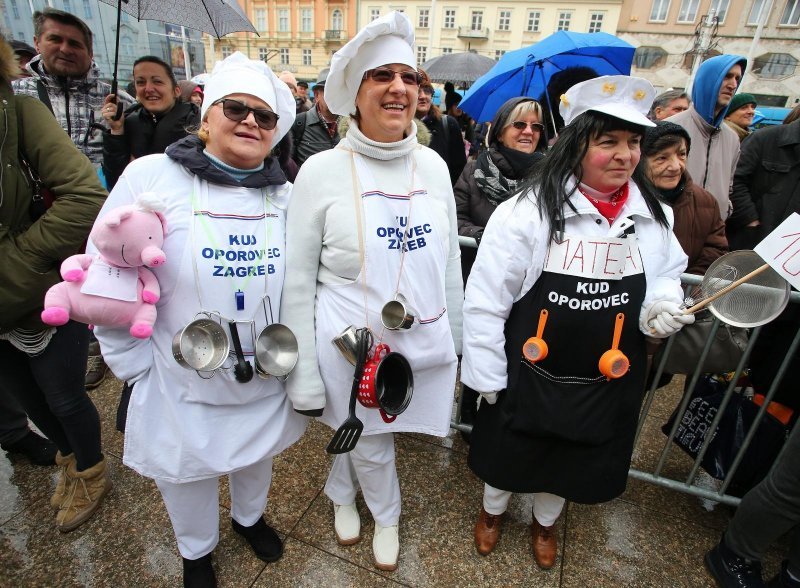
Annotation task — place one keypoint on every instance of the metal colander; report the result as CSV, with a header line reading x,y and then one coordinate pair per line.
x,y
741,290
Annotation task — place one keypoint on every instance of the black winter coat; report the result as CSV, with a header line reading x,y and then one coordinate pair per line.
x,y
146,134
452,149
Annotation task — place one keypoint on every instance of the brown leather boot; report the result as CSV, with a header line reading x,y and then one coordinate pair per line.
x,y
487,532
545,544
62,461
85,492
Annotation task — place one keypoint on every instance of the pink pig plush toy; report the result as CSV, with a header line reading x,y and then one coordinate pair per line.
x,y
114,288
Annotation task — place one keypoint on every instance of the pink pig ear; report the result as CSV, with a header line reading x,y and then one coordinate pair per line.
x,y
115,217
163,220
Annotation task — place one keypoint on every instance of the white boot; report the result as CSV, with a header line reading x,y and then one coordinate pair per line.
x,y
346,523
386,547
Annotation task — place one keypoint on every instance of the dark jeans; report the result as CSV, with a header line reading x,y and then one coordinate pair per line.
x,y
770,509
50,387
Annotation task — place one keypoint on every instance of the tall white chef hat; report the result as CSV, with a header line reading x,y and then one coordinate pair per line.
x,y
237,74
624,97
388,39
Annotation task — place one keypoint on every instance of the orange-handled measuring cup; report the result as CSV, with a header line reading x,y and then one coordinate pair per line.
x,y
535,349
613,363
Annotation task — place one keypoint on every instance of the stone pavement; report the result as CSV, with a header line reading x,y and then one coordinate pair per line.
x,y
649,537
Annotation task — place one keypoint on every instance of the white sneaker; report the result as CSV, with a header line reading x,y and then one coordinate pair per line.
x,y
346,523
386,547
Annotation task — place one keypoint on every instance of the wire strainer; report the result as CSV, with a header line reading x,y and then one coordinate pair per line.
x,y
741,290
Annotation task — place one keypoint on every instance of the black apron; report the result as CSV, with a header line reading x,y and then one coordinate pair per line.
x,y
561,426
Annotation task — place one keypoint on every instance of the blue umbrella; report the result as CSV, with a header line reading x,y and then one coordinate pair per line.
x,y
526,71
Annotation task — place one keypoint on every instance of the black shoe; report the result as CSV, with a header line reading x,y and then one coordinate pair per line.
x,y
783,579
262,538
199,573
37,449
731,570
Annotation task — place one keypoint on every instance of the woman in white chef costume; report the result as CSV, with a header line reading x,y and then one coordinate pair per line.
x,y
225,199
409,244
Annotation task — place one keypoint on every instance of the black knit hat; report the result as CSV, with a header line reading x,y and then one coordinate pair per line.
x,y
663,128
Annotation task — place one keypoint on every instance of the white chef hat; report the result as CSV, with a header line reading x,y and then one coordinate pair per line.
x,y
388,39
237,74
624,97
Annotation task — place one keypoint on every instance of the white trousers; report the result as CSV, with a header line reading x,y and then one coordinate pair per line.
x,y
546,507
193,507
370,465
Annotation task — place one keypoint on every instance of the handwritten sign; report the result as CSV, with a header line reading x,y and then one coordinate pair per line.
x,y
781,250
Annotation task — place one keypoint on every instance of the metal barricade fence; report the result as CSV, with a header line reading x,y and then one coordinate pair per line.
x,y
690,483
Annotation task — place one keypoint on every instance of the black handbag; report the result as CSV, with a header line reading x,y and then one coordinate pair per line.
x,y
736,422
724,355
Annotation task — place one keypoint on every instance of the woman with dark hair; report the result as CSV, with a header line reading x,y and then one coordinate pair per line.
x,y
569,279
158,120
446,138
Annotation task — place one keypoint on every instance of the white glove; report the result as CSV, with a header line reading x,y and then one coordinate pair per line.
x,y
490,397
664,318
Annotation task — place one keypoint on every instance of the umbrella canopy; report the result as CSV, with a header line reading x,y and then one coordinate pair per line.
x,y
526,71
215,17
458,67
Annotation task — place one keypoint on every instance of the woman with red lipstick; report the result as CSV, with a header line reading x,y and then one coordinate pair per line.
x,y
157,120
224,201
369,220
571,274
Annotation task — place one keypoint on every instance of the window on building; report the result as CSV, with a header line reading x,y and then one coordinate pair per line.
x,y
688,11
422,54
263,52
283,20
498,53
774,66
226,51
306,56
504,20
284,53
477,20
374,14
564,20
423,17
260,15
659,11
447,50
595,22
791,14
337,21
87,9
720,8
307,20
649,57
450,18
534,16
15,9
755,12
68,6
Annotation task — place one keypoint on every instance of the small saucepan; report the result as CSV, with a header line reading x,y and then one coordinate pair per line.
x,y
276,351
202,345
387,383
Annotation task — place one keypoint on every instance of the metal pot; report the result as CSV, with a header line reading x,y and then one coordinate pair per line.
x,y
202,345
276,351
347,344
387,383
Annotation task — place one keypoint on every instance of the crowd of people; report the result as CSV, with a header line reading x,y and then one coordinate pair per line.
x,y
586,204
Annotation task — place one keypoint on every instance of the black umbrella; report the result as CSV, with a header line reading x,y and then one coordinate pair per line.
x,y
215,17
458,67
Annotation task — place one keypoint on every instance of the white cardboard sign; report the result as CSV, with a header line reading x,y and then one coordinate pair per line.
x,y
781,250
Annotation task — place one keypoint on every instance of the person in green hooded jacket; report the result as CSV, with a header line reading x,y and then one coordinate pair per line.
x,y
44,367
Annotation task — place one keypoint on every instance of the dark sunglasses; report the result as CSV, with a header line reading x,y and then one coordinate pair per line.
x,y
238,111
383,75
520,125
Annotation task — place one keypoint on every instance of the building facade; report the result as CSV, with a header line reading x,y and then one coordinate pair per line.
x,y
293,35
137,38
667,36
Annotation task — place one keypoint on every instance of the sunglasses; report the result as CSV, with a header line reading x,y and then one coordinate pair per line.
x,y
521,125
383,75
238,111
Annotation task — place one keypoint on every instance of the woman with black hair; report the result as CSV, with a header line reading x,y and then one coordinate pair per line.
x,y
569,279
158,120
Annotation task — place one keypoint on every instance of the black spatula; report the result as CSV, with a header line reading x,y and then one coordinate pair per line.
x,y
348,434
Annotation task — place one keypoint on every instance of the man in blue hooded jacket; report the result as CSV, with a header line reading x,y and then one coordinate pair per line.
x,y
715,147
